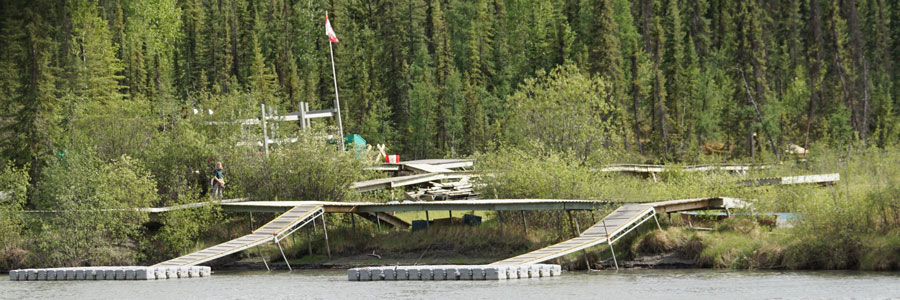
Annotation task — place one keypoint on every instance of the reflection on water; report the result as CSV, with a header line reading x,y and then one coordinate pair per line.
x,y
332,284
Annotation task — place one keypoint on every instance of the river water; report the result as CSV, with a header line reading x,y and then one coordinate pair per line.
x,y
630,284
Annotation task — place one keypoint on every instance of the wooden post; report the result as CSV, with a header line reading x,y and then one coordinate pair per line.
x,y
587,262
309,240
571,222
353,220
327,247
251,222
524,222
560,225
377,220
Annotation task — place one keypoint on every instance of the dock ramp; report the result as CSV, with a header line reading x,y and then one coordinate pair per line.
x,y
617,224
614,226
277,229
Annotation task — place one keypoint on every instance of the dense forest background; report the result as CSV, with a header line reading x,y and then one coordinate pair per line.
x,y
99,100
437,78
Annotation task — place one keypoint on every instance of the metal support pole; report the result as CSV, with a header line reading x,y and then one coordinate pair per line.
x,y
265,132
609,242
284,256
657,221
524,222
614,255
450,214
337,101
302,117
263,258
327,247
500,220
353,220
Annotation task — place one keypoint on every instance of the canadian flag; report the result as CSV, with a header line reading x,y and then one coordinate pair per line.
x,y
332,37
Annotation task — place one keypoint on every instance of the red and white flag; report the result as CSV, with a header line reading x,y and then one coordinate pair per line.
x,y
332,37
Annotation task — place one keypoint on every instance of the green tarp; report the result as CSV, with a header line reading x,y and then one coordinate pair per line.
x,y
355,143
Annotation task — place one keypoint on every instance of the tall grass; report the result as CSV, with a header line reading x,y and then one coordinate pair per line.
x,y
852,224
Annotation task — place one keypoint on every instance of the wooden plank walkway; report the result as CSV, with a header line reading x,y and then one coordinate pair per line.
x,y
299,215
824,179
642,168
455,205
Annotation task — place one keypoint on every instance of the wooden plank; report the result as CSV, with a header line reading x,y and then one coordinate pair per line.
x,y
425,168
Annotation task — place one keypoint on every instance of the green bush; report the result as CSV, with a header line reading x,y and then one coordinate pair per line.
x,y
309,169
13,192
93,221
181,230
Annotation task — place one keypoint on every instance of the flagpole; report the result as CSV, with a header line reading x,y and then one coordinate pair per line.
x,y
337,101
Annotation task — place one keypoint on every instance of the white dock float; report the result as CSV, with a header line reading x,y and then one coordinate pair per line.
x,y
109,273
454,272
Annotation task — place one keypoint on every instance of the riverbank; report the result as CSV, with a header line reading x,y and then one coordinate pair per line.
x,y
736,243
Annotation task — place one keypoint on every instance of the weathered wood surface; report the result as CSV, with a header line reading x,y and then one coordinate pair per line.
x,y
824,179
483,205
642,168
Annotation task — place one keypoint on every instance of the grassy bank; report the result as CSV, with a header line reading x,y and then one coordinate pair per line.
x,y
852,225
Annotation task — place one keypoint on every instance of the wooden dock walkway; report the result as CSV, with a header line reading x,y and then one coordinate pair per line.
x,y
643,168
274,231
822,179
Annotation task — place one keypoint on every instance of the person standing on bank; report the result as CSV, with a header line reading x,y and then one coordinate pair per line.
x,y
218,182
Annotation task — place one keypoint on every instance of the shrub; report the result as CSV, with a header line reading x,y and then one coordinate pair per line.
x,y
94,221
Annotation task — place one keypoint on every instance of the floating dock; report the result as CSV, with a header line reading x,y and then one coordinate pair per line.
x,y
454,272
109,273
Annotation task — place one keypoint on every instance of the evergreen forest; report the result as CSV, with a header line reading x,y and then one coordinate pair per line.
x,y
107,103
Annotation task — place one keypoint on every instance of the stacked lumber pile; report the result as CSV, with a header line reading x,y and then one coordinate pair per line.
x,y
457,190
